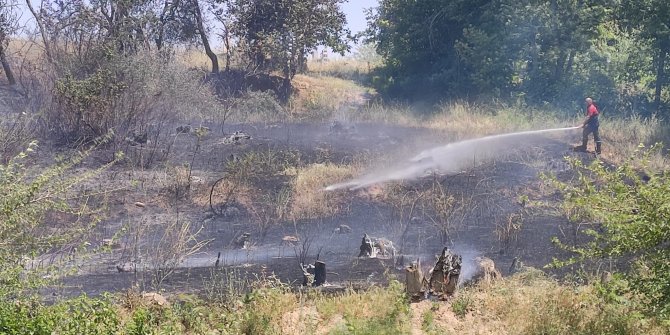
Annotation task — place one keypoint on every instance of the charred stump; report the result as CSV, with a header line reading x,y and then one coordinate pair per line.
x,y
367,247
445,274
319,273
414,281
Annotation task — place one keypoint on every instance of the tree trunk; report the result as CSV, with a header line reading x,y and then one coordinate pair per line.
x,y
205,40
446,272
660,75
571,61
226,41
6,67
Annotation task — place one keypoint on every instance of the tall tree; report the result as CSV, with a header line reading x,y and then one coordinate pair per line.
x,y
280,33
419,43
652,19
462,48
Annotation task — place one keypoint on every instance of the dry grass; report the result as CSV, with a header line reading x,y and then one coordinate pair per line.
x,y
526,303
195,59
309,201
530,303
341,67
22,49
321,98
622,137
461,118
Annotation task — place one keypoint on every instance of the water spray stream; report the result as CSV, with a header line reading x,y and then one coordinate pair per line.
x,y
448,159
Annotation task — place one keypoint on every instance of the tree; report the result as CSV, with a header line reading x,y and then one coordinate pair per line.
x,y
8,26
199,19
221,14
125,27
457,49
278,34
652,19
418,42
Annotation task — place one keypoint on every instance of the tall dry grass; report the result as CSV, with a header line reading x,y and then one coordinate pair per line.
x,y
531,303
309,200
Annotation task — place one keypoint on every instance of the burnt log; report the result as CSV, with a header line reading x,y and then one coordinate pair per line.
x,y
367,248
376,247
307,274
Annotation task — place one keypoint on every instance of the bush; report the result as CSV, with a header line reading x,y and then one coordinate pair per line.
x,y
37,209
258,106
81,315
138,97
626,212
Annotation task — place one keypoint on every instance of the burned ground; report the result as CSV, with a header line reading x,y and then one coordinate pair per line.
x,y
485,213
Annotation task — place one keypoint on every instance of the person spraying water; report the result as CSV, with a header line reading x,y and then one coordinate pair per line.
x,y
590,126
448,159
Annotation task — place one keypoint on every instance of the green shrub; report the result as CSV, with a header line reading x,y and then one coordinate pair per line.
x,y
76,316
36,209
626,211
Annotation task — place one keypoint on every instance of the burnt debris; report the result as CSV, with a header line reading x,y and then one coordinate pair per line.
x,y
237,137
374,247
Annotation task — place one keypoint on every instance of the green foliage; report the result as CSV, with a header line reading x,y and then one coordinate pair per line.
x,y
133,95
627,214
650,18
38,212
428,321
278,35
86,104
81,315
462,304
535,51
386,311
259,106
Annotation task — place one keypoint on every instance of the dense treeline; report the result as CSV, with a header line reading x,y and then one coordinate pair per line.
x,y
527,51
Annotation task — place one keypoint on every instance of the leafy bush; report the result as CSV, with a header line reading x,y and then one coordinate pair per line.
x,y
81,315
626,212
138,97
36,212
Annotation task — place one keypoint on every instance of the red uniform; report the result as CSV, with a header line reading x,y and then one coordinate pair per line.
x,y
591,126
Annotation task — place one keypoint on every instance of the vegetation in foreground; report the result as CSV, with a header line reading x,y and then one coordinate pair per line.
x,y
526,303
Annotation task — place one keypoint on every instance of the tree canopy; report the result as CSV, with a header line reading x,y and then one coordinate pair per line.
x,y
533,51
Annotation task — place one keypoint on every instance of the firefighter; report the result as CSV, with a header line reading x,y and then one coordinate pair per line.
x,y
590,125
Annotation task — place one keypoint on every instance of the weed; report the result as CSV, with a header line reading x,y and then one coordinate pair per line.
x,y
226,286
463,303
508,230
428,322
